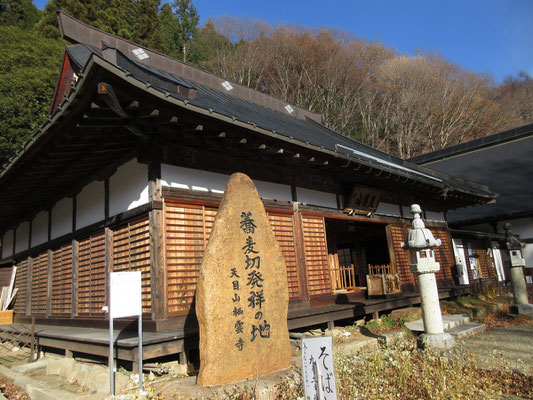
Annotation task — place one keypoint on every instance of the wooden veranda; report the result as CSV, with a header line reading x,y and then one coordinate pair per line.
x,y
87,342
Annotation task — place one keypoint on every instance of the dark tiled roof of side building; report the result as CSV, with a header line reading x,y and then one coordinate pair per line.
x,y
476,144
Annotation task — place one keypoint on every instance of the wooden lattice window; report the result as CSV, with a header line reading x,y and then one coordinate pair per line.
x,y
61,296
316,255
401,256
21,282
91,275
187,231
444,255
282,226
131,252
39,282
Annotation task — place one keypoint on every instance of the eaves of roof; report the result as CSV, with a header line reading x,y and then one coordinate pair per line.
x,y
308,134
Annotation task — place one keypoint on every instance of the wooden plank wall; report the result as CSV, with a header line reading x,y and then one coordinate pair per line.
x,y
188,227
39,284
283,227
316,255
61,294
5,276
91,276
131,252
21,282
187,231
54,290
444,256
407,278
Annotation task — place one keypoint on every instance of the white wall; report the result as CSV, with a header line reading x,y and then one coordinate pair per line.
x,y
90,204
527,253
22,240
316,198
205,181
388,209
128,187
7,244
193,179
39,229
62,218
273,191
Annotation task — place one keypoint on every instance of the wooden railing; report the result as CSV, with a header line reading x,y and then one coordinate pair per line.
x,y
343,277
20,335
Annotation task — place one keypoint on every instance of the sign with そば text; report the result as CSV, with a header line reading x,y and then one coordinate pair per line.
x,y
317,368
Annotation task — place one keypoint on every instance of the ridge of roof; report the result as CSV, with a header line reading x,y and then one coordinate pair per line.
x,y
78,32
476,144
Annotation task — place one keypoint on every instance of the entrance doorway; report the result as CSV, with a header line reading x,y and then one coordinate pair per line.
x,y
358,256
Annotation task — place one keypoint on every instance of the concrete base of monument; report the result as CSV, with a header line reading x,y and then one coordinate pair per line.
x,y
439,341
525,310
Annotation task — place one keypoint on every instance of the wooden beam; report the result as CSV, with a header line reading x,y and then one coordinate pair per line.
x,y
106,197
28,286
108,95
154,181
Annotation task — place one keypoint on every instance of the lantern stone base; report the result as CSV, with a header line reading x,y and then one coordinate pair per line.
x,y
522,310
439,341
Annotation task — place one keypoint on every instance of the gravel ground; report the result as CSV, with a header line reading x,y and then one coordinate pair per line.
x,y
503,347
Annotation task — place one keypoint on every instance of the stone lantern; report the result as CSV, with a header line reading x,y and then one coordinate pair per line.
x,y
515,246
420,244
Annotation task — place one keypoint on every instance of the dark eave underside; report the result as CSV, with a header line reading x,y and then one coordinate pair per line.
x,y
86,140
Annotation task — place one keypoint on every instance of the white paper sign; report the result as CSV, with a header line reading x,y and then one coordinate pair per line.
x,y
125,294
317,366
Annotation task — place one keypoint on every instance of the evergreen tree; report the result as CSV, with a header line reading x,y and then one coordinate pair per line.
x,y
21,13
207,44
135,20
29,66
146,28
179,23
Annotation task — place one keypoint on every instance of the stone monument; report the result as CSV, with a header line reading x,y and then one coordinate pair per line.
x,y
242,296
521,305
420,243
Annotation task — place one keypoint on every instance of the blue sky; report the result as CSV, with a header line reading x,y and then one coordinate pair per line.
x,y
493,36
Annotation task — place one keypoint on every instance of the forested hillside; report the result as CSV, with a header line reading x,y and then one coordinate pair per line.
x,y
401,104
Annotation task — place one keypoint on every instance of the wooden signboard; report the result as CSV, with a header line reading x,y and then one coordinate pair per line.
x,y
362,200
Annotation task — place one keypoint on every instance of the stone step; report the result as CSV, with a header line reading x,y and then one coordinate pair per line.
x,y
448,322
466,330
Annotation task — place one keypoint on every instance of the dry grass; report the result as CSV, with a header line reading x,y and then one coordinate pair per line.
x,y
403,372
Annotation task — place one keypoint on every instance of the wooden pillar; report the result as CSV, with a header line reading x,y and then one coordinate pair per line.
x,y
300,253
157,244
49,274
157,263
75,266
28,286
108,257
390,244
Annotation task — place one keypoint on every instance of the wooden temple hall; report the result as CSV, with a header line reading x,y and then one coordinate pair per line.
x,y
127,175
